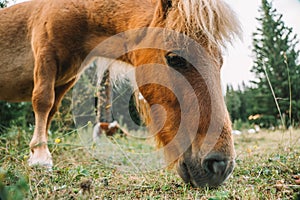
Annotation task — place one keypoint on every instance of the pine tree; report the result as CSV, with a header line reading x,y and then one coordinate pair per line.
x,y
3,3
275,58
233,103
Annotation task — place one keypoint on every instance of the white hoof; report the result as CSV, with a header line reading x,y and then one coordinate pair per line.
x,y
40,157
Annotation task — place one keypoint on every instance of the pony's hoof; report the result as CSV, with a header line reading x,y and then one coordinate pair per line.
x,y
44,163
42,158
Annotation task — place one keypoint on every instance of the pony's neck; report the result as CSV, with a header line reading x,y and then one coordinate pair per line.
x,y
115,16
107,18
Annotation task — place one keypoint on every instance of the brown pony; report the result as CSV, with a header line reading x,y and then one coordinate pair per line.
x,y
44,45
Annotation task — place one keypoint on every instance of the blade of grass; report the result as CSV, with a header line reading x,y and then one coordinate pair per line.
x,y
274,96
290,91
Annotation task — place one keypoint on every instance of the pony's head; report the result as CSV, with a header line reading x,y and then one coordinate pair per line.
x,y
178,73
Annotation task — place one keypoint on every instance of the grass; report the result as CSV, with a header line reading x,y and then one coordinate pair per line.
x,y
119,169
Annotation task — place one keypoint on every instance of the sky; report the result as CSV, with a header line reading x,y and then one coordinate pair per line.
x,y
238,58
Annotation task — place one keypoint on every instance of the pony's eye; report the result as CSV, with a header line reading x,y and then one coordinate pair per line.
x,y
174,60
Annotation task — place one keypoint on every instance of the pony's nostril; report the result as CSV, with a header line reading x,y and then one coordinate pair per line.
x,y
215,164
218,167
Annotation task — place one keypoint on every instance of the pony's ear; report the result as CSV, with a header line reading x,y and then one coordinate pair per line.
x,y
163,7
167,4
161,11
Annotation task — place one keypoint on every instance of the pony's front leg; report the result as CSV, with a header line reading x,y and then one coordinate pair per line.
x,y
43,97
59,94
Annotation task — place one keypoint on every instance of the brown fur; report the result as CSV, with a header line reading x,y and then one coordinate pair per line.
x,y
43,44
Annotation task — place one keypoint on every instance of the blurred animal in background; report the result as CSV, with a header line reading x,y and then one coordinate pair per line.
x,y
109,129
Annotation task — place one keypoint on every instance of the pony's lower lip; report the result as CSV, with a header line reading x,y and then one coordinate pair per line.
x,y
182,170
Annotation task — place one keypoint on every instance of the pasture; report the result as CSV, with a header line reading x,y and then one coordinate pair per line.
x,y
266,167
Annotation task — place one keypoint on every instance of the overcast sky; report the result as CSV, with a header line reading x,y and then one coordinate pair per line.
x,y
238,60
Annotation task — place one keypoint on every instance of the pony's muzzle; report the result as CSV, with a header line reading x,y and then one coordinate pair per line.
x,y
213,171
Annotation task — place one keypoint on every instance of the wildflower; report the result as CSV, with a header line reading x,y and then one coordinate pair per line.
x,y
249,150
90,123
57,141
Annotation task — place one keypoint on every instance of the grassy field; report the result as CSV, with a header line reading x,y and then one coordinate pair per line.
x,y
267,165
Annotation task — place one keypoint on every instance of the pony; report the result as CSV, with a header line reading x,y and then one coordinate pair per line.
x,y
46,44
109,129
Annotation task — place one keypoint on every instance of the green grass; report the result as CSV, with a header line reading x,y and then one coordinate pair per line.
x,y
118,169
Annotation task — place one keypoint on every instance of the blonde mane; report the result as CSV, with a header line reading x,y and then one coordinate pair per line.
x,y
211,22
